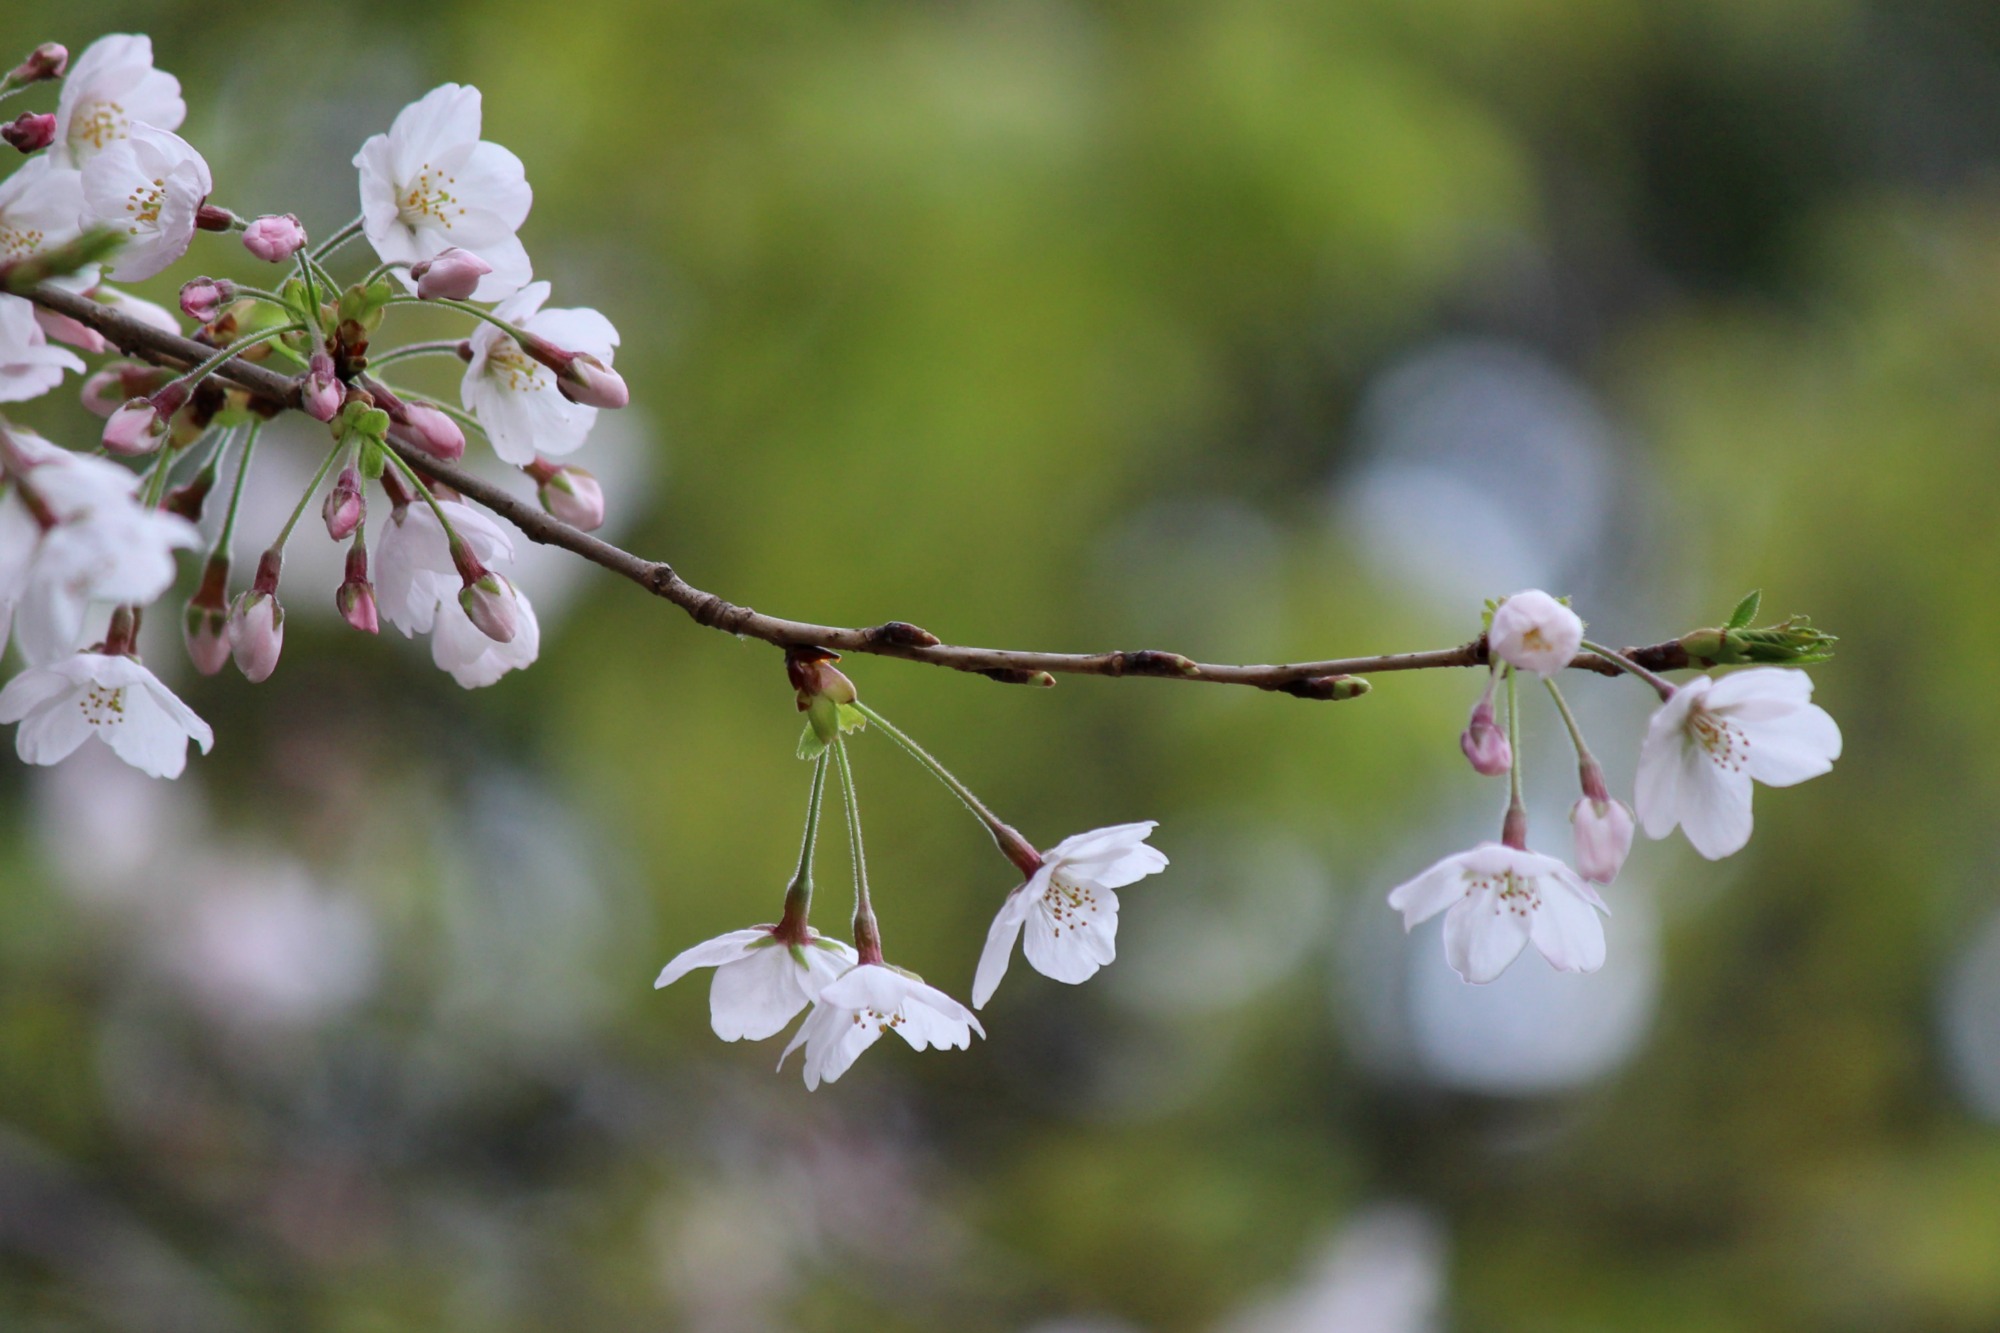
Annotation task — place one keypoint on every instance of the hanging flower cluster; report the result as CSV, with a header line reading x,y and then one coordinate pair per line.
x,y
109,191
1707,741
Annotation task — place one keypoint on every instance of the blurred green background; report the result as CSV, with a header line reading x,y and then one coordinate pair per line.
x,y
1252,329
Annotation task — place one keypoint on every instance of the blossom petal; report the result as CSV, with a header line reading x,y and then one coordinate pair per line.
x,y
710,953
1432,891
999,950
755,996
1787,750
1714,805
1482,936
1072,947
1566,928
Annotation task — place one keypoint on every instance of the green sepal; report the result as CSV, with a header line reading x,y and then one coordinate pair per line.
x,y
362,306
810,745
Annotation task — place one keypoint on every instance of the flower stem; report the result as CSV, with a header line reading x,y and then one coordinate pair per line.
x,y
410,475
228,533
442,347
1514,828
1011,843
332,243
867,935
379,270
798,894
333,455
1583,755
518,335
1660,683
241,345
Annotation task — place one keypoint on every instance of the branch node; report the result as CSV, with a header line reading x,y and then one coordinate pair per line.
x,y
901,634
1150,662
1328,689
1017,676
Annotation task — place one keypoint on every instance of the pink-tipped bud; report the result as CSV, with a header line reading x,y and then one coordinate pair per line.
x,y
489,601
1484,742
213,217
591,383
47,61
31,131
430,430
453,275
202,299
570,493
356,595
274,238
322,395
256,634
205,622
345,507
1603,838
134,429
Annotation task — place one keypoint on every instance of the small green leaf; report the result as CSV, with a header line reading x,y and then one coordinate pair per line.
x,y
1746,610
810,745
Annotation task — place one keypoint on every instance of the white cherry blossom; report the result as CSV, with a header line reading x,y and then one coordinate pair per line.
x,y
1068,907
41,205
852,1012
110,88
516,397
431,184
147,186
1535,632
103,546
1498,899
417,586
760,982
1706,744
114,699
29,364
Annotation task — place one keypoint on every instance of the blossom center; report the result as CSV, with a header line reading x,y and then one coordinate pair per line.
x,y
1720,739
103,707
506,361
1533,640
1512,891
1068,903
18,241
145,203
883,1022
429,200
98,123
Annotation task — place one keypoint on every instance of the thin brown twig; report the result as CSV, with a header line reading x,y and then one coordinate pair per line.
x,y
895,638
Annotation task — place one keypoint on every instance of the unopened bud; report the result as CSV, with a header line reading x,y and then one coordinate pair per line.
x,y
425,427
209,217
356,595
1791,642
205,622
31,131
1603,829
1485,742
202,299
570,493
134,429
591,383
275,237
47,61
489,602
321,395
452,275
256,634
345,506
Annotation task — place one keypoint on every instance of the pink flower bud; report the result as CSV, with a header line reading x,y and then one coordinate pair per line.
x,y
31,131
570,493
202,299
1484,742
430,430
322,394
274,237
452,275
212,217
256,634
47,61
134,429
489,601
205,623
356,595
1603,837
1535,632
591,383
345,508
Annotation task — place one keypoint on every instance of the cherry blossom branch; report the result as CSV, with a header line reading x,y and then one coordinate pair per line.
x,y
1328,679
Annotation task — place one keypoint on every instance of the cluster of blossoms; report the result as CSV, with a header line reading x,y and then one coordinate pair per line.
x,y
108,192
1710,738
1064,915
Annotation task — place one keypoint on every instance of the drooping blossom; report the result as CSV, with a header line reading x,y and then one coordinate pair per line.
x,y
1496,899
1068,907
417,584
41,205
1533,631
516,397
107,696
851,1013
87,539
112,87
147,186
1484,741
570,493
761,982
1603,828
431,184
1706,744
